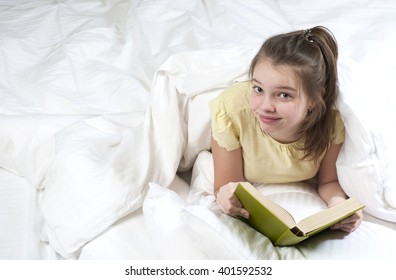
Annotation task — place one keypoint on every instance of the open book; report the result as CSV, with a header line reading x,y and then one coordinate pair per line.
x,y
279,226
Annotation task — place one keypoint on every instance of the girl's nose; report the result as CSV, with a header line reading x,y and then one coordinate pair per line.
x,y
267,104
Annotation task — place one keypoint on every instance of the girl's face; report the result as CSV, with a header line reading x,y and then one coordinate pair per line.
x,y
278,101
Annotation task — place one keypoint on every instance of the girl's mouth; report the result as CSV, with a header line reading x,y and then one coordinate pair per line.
x,y
268,119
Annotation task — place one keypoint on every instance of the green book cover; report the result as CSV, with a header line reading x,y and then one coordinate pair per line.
x,y
279,226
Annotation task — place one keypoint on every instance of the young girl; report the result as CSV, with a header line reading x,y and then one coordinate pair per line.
x,y
280,126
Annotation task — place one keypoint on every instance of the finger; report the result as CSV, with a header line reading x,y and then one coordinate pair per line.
x,y
347,221
235,201
335,227
347,227
229,202
244,213
352,219
230,209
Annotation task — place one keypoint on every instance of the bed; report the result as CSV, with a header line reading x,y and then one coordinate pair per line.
x,y
105,131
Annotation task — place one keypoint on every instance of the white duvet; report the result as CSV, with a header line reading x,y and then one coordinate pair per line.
x,y
100,98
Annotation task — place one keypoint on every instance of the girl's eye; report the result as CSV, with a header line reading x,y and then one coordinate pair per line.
x,y
257,89
284,95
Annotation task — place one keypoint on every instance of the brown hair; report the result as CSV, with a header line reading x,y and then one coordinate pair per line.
x,y
313,54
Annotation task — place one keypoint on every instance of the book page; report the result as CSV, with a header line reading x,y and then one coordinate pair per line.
x,y
299,204
330,216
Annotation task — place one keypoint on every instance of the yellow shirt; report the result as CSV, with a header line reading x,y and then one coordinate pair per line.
x,y
264,159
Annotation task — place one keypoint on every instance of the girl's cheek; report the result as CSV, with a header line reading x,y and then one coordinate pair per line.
x,y
253,102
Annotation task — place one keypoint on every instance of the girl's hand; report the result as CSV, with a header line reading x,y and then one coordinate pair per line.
x,y
229,203
351,223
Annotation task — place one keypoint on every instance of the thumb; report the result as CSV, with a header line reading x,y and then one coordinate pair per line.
x,y
244,213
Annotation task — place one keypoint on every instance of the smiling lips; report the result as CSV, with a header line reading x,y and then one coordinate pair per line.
x,y
268,119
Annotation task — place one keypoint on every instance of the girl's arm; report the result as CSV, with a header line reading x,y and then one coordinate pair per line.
x,y
330,189
228,170
228,166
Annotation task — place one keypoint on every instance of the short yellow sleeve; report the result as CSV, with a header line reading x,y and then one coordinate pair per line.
x,y
338,136
223,131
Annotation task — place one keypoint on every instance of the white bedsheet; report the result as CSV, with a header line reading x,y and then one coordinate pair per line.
x,y
100,98
20,221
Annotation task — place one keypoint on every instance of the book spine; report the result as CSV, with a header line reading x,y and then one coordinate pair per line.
x,y
288,238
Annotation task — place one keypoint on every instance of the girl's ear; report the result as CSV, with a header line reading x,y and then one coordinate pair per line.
x,y
311,105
